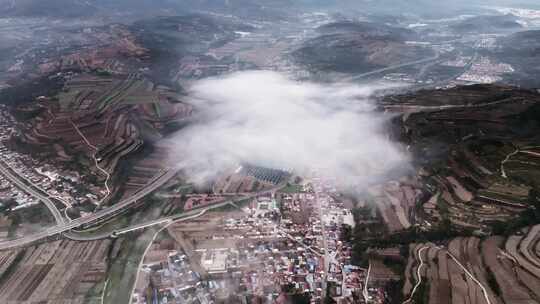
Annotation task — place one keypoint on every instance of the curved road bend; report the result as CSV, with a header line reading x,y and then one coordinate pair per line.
x,y
156,183
6,170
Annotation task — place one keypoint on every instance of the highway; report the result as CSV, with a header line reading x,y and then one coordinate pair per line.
x,y
108,213
394,67
96,217
411,108
444,82
164,220
6,170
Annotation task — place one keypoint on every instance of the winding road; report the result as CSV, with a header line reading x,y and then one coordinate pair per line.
x,y
96,150
503,172
467,272
418,274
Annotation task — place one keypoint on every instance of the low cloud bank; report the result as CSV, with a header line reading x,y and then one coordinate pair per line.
x,y
266,119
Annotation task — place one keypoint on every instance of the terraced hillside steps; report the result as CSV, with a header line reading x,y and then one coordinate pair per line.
x,y
494,270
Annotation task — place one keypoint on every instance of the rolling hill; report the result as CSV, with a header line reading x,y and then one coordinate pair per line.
x,y
356,47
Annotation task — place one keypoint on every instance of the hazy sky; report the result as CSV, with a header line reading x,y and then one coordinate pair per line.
x,y
263,118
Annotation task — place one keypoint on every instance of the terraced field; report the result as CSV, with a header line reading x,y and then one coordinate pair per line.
x,y
478,152
99,121
500,270
396,202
